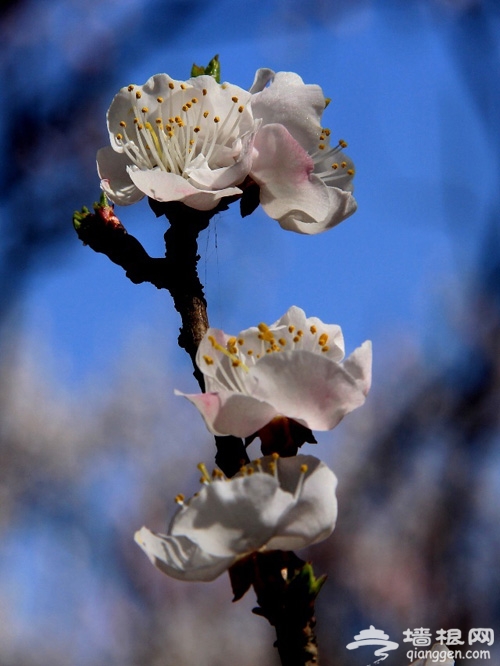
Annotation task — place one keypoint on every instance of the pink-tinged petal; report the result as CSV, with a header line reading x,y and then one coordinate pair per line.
x,y
181,558
309,388
235,414
163,186
115,181
233,518
312,518
293,104
288,189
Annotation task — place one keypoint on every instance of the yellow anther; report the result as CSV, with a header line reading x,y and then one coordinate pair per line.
x,y
263,327
325,348
321,146
130,88
206,114
235,99
179,499
181,123
241,109
171,120
303,468
231,342
342,143
224,86
138,94
136,120
272,467
119,137
208,359
189,105
194,100
275,456
191,142
321,137
236,363
217,474
296,338
313,329
205,478
282,342
158,121
183,86
123,123
204,91
323,339
170,134
243,470
144,109
159,100
335,166
269,351
291,328
241,342
196,129
350,172
343,164
257,356
326,131
171,85
185,107
140,126
177,119
250,352
216,119
168,128
250,471
300,333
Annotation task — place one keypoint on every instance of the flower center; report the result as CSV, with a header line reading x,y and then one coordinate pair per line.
x,y
233,362
180,128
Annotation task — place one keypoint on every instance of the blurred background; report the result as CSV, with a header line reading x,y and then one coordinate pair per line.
x,y
93,443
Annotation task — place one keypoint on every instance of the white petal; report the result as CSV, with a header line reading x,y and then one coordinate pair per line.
x,y
312,518
115,181
180,558
217,179
310,388
163,186
262,78
293,104
234,517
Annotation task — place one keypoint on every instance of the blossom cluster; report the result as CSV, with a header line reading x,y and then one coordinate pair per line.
x,y
198,141
291,371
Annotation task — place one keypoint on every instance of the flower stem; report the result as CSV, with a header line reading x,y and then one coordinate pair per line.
x,y
286,590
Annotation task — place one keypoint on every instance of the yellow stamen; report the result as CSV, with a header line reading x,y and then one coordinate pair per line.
x,y
313,329
303,468
179,499
323,339
208,359
205,478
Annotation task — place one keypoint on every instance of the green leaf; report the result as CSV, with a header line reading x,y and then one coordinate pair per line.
x,y
212,69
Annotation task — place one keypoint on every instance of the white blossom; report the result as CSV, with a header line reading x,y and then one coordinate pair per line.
x,y
272,504
188,141
293,368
